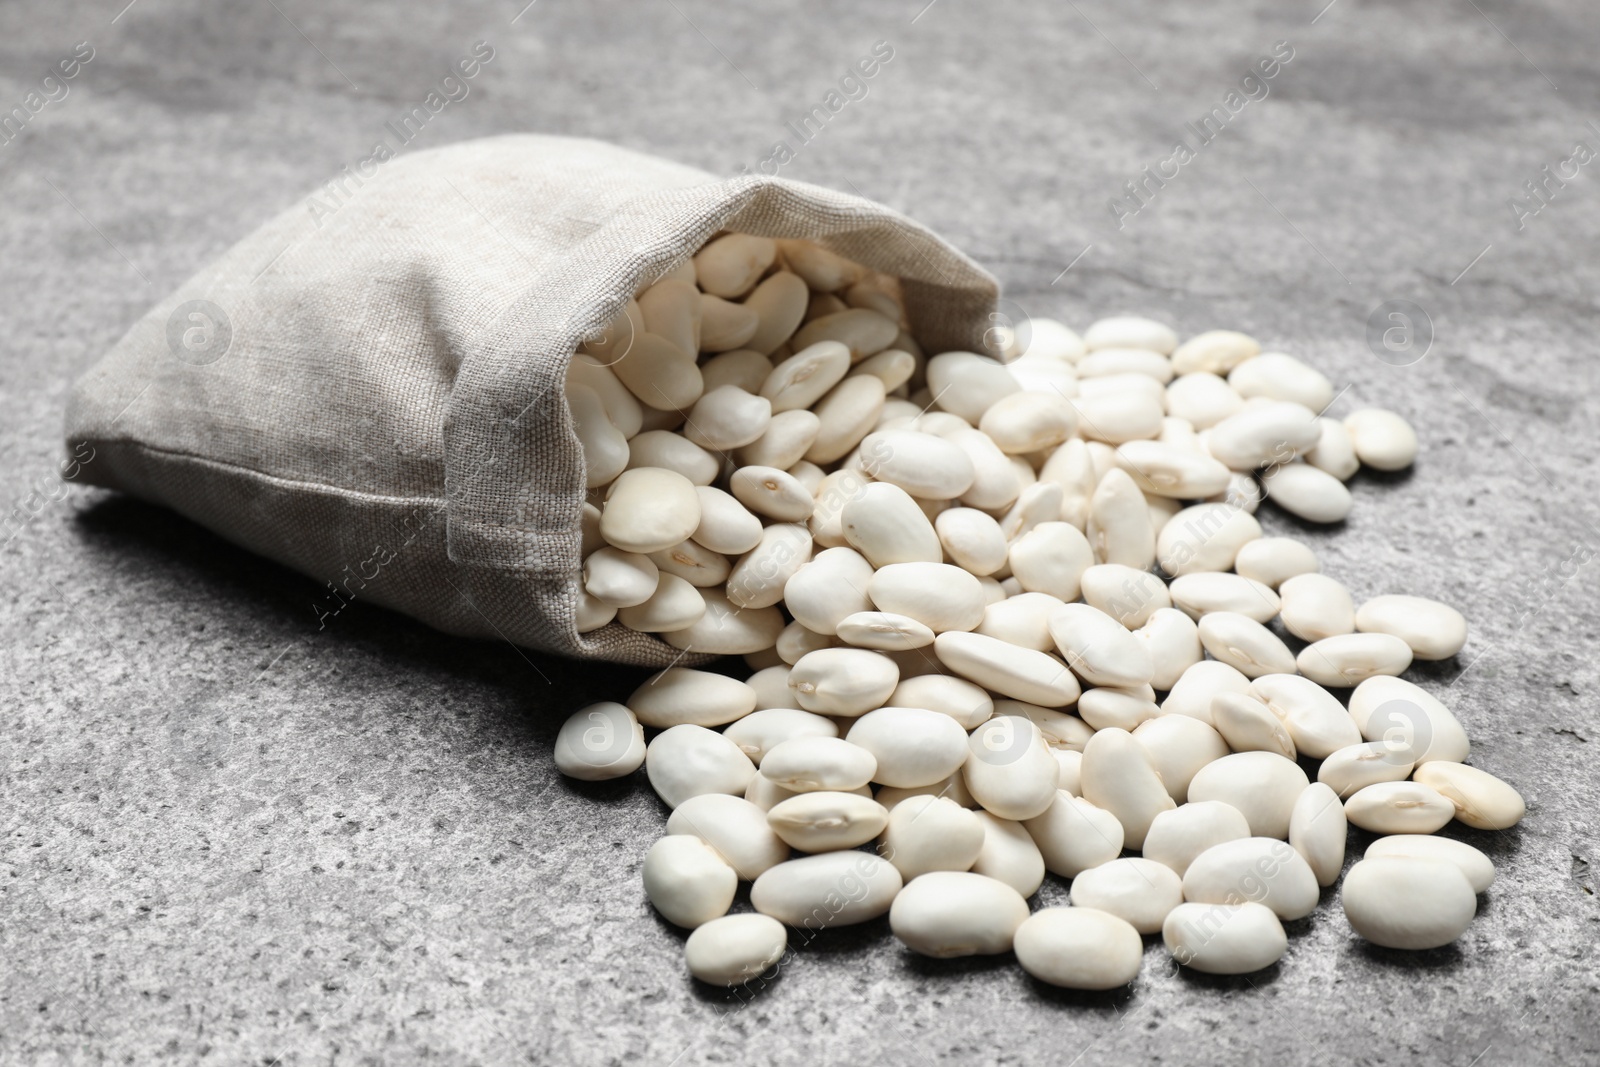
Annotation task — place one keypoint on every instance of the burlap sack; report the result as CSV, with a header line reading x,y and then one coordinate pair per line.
x,y
368,388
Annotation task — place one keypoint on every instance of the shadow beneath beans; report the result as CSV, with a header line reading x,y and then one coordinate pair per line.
x,y
1448,958
1103,1000
1255,980
606,792
930,967
1435,670
1371,475
837,940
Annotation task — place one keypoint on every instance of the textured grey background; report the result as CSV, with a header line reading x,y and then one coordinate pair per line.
x,y
230,837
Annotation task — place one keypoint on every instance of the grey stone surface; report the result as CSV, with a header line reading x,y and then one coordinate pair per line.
x,y
231,837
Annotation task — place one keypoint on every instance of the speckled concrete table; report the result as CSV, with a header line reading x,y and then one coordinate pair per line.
x,y
232,837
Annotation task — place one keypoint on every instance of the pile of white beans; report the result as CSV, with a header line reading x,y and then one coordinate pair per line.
x,y
963,585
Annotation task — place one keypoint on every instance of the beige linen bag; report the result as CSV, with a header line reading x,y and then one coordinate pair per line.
x,y
368,388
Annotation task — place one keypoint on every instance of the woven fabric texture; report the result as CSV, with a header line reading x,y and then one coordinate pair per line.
x,y
368,388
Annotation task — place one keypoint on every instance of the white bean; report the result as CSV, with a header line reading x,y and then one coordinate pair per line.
x,y
886,526
923,464
1409,718
1481,800
1274,560
1170,471
972,539
1382,440
1178,835
728,418
1008,854
831,587
743,367
1202,399
674,452
1356,766
682,694
1350,659
1433,630
733,949
1262,785
687,882
1122,412
730,265
1245,644
1079,948
1194,690
913,746
784,443
1215,352
1028,422
605,448
727,630
1246,724
957,698
1108,361
695,564
1306,491
967,384
946,914
864,331
659,374
649,508
939,596
1119,776
600,742
1010,770
1399,808
831,889
805,377
686,761
620,579
1130,331
1139,891
1265,870
1051,558
1073,835
1204,592
1317,830
817,764
769,726
1125,708
826,821
1003,668
1272,433
726,526
736,828
1315,606
780,301
1224,938
1334,451
1477,868
932,833
1204,537
1179,746
1098,648
1408,903
1174,643
1315,719
1281,377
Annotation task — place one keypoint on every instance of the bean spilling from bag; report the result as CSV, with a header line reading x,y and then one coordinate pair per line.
x,y
962,584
